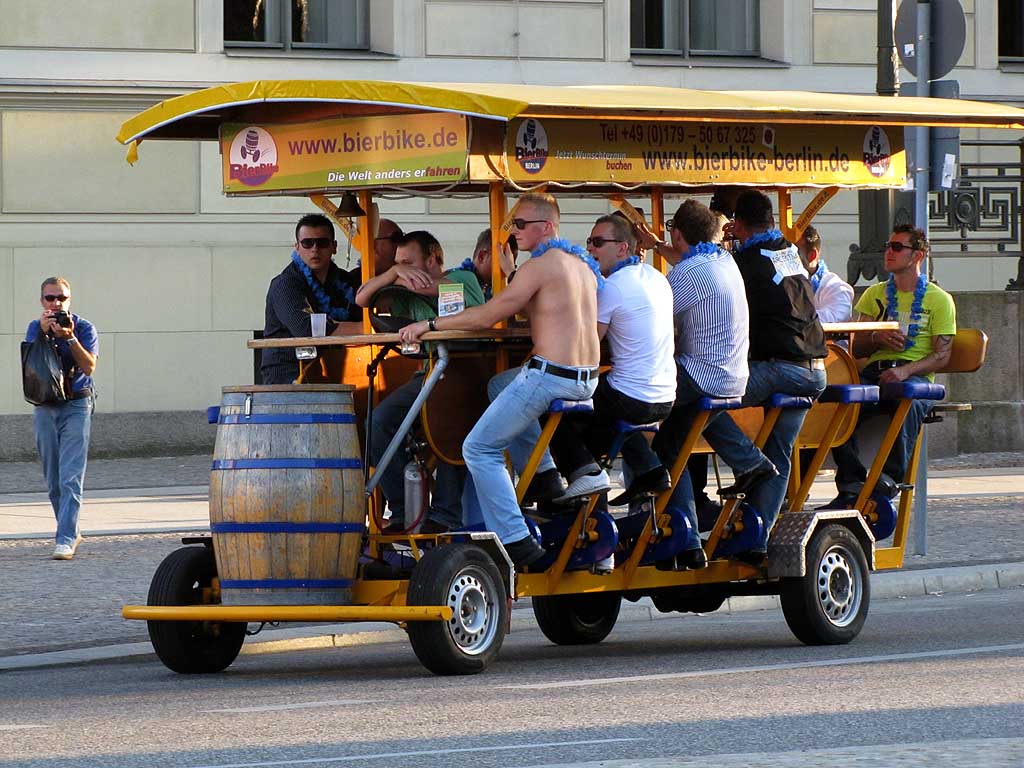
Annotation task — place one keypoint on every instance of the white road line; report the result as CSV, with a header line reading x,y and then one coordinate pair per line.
x,y
301,705
418,753
770,667
20,727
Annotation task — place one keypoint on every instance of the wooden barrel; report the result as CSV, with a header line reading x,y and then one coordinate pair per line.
x,y
287,509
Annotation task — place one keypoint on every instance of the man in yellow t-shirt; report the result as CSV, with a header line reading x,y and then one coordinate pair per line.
x,y
921,346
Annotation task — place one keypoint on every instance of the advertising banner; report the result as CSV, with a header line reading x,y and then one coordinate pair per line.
x,y
634,152
392,150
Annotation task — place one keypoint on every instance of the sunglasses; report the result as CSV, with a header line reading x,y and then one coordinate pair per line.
x,y
599,242
51,297
670,224
319,242
523,223
897,247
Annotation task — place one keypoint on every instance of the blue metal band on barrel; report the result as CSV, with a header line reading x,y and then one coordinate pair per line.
x,y
288,418
285,527
285,583
221,464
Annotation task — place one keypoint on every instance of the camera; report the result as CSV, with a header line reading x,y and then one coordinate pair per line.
x,y
62,318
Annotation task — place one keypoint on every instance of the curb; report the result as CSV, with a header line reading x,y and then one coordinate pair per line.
x,y
884,585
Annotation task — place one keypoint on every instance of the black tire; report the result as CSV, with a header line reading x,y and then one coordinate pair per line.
x,y
582,619
464,577
191,647
829,605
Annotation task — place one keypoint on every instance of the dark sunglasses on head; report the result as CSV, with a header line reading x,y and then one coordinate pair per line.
x,y
522,223
598,242
896,246
51,297
319,242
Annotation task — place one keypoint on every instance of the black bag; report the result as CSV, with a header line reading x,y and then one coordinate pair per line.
x,y
42,375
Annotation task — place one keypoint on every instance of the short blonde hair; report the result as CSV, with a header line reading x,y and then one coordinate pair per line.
x,y
545,203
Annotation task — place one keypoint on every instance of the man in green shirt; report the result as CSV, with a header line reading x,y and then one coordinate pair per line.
x,y
419,267
921,346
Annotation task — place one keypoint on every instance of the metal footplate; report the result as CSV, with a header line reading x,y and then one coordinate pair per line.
x,y
787,545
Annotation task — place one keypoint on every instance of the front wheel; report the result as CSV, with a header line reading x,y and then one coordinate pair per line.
x,y
465,578
184,578
828,606
577,619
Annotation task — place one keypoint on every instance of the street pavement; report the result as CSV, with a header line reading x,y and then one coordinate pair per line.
x,y
136,510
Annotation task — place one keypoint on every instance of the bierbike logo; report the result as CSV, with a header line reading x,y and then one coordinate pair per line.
x,y
877,151
253,156
531,146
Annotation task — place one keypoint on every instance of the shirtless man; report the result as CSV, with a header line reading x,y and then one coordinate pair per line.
x,y
556,288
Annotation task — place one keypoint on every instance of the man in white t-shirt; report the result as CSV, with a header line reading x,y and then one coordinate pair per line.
x,y
833,296
634,314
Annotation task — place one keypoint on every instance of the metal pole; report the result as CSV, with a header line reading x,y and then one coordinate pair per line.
x,y
923,53
887,79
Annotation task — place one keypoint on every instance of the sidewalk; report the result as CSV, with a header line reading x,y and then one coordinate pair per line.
x,y
976,541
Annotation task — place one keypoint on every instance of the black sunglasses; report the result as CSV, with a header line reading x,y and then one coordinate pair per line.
x,y
598,242
670,224
319,242
51,297
897,247
522,223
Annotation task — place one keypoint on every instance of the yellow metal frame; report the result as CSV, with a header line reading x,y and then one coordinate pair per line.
x,y
396,613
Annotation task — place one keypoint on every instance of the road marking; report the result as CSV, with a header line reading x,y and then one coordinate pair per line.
x,y
771,667
302,705
20,727
418,753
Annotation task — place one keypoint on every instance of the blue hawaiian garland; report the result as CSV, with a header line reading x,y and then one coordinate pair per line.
x,y
760,237
818,275
916,307
337,314
627,262
564,245
466,265
700,249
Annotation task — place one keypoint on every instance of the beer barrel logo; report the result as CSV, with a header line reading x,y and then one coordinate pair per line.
x,y
531,145
877,151
253,156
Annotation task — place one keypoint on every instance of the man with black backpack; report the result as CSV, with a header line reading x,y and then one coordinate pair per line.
x,y
62,425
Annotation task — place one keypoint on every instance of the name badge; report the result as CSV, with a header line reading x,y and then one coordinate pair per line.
x,y
786,262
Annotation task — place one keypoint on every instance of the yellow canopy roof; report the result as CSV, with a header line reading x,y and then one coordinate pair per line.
x,y
196,115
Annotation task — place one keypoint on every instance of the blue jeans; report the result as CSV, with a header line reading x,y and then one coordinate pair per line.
x,y
739,452
514,411
445,503
62,439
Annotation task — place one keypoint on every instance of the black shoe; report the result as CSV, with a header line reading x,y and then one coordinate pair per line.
x,y
707,514
545,486
394,529
524,552
754,557
692,559
652,481
842,501
746,482
434,527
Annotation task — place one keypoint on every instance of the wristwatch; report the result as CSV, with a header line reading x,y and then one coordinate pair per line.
x,y
432,324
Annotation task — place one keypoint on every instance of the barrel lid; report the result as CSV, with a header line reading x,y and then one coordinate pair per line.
x,y
254,388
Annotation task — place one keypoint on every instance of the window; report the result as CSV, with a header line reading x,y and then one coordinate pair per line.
x,y
1011,30
694,27
296,24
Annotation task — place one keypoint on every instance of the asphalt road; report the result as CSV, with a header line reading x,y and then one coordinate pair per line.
x,y
933,681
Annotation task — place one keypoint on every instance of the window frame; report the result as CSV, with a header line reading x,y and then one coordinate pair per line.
x,y
682,27
1000,26
278,16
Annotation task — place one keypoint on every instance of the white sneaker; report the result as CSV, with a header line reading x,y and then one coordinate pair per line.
x,y
63,552
585,485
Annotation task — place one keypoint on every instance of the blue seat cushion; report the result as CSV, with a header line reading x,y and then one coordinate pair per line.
x,y
915,390
571,406
850,393
782,400
720,403
626,428
212,414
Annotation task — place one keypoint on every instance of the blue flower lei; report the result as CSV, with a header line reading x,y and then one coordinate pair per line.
x,y
760,237
564,245
627,262
323,301
700,249
818,275
466,265
916,307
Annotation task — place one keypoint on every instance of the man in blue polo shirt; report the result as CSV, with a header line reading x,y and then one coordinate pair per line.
x,y
62,429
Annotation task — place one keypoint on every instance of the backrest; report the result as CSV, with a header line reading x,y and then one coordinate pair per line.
x,y
968,354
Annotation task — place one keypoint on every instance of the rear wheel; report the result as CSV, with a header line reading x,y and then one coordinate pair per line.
x,y
582,619
828,606
188,647
464,577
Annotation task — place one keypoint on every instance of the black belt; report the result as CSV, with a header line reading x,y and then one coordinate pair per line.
x,y
884,365
81,394
576,374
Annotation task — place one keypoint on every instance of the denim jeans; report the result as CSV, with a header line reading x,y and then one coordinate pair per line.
x,y
445,503
514,411
62,439
739,452
850,470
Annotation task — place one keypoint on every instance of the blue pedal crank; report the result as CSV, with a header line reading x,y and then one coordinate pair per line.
x,y
675,531
600,526
747,535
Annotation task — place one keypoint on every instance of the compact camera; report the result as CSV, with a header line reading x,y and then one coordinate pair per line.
x,y
62,318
